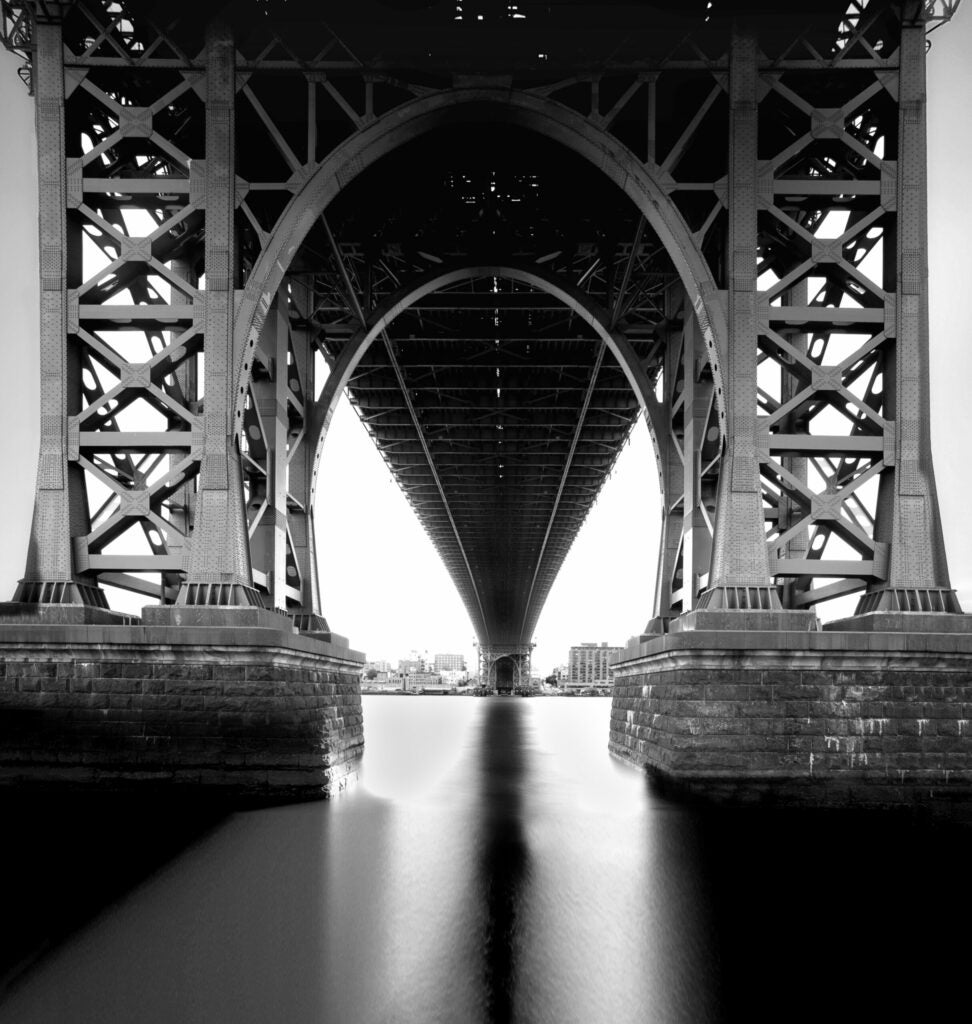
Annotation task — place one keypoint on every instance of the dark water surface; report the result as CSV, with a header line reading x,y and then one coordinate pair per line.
x,y
492,864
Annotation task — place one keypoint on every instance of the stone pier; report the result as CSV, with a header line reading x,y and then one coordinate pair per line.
x,y
261,712
846,717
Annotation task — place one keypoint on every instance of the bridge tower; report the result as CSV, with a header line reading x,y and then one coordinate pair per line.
x,y
745,681
505,668
222,254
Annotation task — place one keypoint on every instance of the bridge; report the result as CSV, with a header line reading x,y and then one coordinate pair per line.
x,y
506,231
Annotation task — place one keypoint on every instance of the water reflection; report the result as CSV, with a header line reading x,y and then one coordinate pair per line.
x,y
504,860
65,857
493,864
837,915
223,932
401,850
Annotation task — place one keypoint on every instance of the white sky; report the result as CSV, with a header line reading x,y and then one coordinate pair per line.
x,y
382,583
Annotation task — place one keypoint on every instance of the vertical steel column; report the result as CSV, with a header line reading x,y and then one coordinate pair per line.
x,y
269,543
670,477
739,576
182,503
685,543
219,561
788,510
301,519
279,462
60,510
486,663
697,396
917,573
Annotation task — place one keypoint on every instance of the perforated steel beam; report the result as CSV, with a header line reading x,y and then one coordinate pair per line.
x,y
908,520
60,511
219,569
740,567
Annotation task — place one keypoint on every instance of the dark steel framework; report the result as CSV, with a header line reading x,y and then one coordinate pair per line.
x,y
507,238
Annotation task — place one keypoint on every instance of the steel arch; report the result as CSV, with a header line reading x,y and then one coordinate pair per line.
x,y
441,277
639,181
324,406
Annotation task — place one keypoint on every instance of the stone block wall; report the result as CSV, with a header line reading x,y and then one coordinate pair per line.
x,y
256,712
862,717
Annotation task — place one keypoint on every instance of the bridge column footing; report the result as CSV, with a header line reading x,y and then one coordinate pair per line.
x,y
252,711
902,622
839,718
744,618
63,614
234,616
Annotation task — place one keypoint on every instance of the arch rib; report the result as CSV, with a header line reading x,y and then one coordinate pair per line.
x,y
441,277
639,181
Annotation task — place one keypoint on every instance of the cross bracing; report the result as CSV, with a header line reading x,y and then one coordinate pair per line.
x,y
674,210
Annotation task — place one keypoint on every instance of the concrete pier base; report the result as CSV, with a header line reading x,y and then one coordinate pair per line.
x,y
835,717
259,712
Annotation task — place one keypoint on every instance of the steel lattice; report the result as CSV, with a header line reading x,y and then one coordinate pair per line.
x,y
200,269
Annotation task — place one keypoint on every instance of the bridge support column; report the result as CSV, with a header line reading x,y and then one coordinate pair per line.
x,y
917,594
741,594
279,463
219,572
689,458
52,588
269,423
309,616
214,690
672,477
743,697
505,667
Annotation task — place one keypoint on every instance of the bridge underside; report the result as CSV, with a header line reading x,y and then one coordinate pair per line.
x,y
496,405
506,234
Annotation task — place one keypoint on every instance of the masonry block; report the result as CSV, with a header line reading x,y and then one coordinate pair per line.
x,y
257,712
815,717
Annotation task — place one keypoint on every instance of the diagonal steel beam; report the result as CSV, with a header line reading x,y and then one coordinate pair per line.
x,y
575,440
579,428
360,313
628,267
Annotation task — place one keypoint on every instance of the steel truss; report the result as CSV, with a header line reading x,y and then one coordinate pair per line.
x,y
180,433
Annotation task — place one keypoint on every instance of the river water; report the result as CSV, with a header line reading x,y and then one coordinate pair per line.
x,y
492,863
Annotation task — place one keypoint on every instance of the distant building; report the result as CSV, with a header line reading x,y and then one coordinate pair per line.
x,y
378,666
589,665
407,666
382,681
417,681
450,663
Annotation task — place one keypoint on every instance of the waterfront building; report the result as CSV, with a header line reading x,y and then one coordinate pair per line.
x,y
450,663
418,681
589,665
381,682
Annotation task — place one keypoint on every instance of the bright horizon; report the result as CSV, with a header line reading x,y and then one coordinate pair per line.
x,y
382,583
